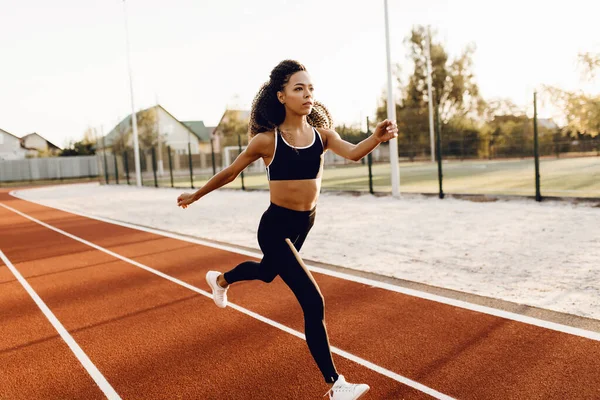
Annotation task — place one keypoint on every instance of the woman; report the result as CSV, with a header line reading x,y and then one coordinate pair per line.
x,y
290,132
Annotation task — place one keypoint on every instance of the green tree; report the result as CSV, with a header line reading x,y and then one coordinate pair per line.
x,y
147,128
454,89
590,63
453,81
233,125
121,141
581,110
84,147
461,138
350,133
81,148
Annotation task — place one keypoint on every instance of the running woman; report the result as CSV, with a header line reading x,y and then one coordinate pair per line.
x,y
290,131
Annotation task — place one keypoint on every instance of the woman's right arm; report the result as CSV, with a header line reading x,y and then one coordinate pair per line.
x,y
255,150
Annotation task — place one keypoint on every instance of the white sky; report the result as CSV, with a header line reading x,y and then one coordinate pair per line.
x,y
63,62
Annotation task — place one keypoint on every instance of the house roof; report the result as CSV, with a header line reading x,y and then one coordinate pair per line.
x,y
242,115
203,132
8,133
125,124
547,123
182,123
47,141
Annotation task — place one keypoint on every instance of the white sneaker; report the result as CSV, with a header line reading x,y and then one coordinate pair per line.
x,y
342,390
219,293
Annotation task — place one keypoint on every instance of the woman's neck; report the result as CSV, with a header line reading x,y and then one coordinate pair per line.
x,y
294,123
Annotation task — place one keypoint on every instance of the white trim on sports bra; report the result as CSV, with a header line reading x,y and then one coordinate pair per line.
x,y
274,151
305,147
320,138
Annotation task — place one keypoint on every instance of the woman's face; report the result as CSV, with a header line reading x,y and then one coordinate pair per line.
x,y
297,94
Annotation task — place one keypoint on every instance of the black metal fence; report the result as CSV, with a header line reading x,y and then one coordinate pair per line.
x,y
535,163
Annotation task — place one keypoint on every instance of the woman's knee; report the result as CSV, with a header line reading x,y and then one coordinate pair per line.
x,y
314,306
267,276
267,271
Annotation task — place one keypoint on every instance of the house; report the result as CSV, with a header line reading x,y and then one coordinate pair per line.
x,y
233,122
173,132
547,123
205,134
36,144
10,147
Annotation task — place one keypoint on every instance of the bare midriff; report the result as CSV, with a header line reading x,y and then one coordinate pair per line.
x,y
299,195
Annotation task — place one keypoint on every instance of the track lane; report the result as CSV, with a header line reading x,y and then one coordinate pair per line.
x,y
457,351
154,339
35,362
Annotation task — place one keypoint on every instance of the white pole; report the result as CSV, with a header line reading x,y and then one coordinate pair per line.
x,y
158,128
136,147
429,92
391,111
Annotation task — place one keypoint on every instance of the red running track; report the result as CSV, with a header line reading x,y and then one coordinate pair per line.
x,y
153,338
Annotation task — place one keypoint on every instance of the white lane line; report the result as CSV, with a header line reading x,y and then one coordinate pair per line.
x,y
342,353
382,285
96,375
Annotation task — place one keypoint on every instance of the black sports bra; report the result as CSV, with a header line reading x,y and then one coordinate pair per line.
x,y
287,164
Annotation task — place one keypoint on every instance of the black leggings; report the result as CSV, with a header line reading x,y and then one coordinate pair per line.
x,y
281,234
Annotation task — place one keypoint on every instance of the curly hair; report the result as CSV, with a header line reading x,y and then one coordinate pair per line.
x,y
267,112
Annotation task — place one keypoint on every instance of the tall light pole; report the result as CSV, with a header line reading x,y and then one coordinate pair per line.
x,y
158,130
391,110
136,147
429,92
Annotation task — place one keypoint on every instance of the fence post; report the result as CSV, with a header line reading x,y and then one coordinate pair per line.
x,y
438,148
240,149
154,166
126,162
190,161
212,151
30,171
370,161
462,145
536,152
59,169
170,165
116,170
105,162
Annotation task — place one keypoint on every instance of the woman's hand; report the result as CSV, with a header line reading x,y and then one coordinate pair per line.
x,y
386,130
185,199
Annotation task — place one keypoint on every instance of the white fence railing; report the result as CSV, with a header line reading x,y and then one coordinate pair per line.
x,y
48,168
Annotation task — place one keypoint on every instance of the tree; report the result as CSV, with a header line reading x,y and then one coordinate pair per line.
x,y
453,86
84,147
147,128
89,136
581,110
501,117
81,148
233,125
350,133
453,81
500,106
461,138
121,141
413,128
590,63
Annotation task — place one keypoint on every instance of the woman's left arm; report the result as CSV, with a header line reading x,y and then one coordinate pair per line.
x,y
385,130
